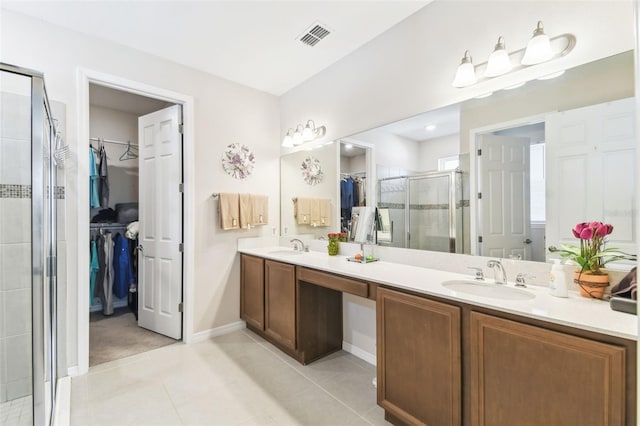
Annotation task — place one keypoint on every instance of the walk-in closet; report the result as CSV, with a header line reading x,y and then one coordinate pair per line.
x,y
353,182
115,188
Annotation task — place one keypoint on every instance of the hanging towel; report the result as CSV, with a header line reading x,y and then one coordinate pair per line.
x,y
94,199
246,211
229,206
260,205
303,211
315,211
123,274
103,178
325,212
95,267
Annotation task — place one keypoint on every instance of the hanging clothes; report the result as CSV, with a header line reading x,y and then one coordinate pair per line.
x,y
94,199
95,267
123,274
106,293
103,179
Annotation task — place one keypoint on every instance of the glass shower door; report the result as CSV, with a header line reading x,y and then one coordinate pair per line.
x,y
392,195
15,250
430,213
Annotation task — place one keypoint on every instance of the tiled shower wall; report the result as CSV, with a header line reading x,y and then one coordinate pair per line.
x,y
15,240
15,246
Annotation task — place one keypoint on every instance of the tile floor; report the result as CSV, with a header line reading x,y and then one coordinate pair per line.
x,y
17,412
235,379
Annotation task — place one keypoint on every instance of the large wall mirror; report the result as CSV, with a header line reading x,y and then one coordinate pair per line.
x,y
573,139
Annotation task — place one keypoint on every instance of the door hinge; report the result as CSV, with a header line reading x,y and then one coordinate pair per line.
x,y
479,239
181,247
180,307
181,187
479,195
181,128
479,152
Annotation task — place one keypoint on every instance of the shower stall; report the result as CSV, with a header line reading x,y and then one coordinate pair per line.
x,y
31,158
423,212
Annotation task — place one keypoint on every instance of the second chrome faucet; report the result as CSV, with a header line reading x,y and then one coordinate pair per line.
x,y
499,274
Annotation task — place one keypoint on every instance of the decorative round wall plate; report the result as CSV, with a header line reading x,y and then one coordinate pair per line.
x,y
311,171
238,161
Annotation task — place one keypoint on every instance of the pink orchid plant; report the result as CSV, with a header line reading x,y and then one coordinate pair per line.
x,y
591,255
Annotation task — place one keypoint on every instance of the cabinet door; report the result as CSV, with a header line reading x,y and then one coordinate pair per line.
x,y
525,375
280,302
419,364
252,290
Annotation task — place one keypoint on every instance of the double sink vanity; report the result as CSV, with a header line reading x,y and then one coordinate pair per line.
x,y
452,350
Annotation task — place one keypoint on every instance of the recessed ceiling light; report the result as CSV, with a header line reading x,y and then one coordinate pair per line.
x,y
348,146
430,127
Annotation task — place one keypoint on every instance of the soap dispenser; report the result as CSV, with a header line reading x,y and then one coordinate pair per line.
x,y
558,280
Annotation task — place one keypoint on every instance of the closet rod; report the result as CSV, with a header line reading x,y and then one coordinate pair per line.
x,y
113,142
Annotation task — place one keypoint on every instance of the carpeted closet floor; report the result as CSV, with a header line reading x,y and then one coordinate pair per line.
x,y
118,336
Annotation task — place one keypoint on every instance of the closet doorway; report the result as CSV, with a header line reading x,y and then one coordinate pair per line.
x,y
136,229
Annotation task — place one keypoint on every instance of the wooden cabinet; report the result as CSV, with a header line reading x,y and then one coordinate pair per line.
x,y
280,302
419,363
526,375
252,290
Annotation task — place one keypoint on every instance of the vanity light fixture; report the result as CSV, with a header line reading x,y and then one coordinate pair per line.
x,y
430,127
499,62
538,48
302,134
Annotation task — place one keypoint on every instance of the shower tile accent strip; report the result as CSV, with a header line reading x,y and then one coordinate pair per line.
x,y
24,191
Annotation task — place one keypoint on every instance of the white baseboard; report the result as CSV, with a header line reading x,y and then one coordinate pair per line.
x,y
358,352
218,331
73,371
62,412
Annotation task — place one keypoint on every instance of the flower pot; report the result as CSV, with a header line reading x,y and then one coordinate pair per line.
x,y
333,247
591,285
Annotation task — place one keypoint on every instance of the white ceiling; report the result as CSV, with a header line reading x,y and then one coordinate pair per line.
x,y
123,101
254,43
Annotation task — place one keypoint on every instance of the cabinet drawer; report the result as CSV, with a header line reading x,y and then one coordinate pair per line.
x,y
335,282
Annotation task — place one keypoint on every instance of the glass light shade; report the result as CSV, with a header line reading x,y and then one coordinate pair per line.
x,y
297,138
466,73
308,134
287,142
539,48
499,62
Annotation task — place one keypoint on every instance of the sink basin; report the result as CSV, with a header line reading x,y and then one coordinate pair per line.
x,y
484,289
285,252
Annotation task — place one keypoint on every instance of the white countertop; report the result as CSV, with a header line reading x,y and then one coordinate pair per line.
x,y
574,311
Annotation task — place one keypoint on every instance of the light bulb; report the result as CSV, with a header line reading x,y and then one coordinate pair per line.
x,y
499,62
538,48
466,72
287,142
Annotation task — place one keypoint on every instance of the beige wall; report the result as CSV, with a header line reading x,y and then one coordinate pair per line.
x,y
223,112
432,150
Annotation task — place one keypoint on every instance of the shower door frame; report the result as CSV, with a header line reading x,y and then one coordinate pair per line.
x,y
42,264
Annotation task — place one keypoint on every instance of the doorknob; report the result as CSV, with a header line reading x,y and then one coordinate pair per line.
x,y
140,248
527,241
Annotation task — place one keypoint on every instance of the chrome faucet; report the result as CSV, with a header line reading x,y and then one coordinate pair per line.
x,y
298,245
499,274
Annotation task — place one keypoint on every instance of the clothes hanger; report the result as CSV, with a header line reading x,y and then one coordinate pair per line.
x,y
129,154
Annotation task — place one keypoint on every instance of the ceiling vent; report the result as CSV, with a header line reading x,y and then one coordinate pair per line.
x,y
314,34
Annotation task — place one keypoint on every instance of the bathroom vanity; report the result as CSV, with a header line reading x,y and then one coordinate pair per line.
x,y
449,358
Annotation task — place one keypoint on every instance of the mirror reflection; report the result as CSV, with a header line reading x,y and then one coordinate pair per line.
x,y
557,186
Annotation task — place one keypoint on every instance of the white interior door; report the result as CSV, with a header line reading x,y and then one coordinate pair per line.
x,y
591,167
505,218
160,260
